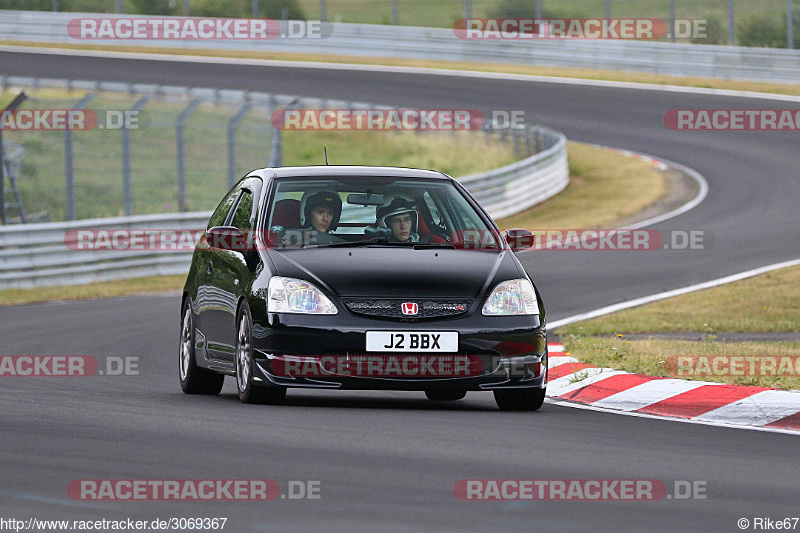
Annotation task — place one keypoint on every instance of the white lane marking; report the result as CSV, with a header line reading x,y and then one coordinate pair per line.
x,y
564,384
575,405
554,362
669,294
647,394
400,70
757,410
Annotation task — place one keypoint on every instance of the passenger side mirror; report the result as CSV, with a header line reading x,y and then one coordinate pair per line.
x,y
519,239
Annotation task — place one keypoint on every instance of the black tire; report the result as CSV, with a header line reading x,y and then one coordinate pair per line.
x,y
445,395
519,399
194,380
249,392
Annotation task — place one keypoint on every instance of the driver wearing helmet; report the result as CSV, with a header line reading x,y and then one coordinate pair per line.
x,y
320,212
399,214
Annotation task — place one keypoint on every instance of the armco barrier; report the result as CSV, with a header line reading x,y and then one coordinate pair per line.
x,y
728,62
513,188
33,255
37,255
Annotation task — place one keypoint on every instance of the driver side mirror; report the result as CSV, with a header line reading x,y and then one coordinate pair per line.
x,y
227,238
519,239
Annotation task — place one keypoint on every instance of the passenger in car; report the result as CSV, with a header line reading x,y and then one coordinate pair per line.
x,y
399,214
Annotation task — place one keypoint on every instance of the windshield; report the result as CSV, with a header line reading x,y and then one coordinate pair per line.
x,y
376,211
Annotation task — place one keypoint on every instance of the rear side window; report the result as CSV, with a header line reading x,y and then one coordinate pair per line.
x,y
241,218
224,207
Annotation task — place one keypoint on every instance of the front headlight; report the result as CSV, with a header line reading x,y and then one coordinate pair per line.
x,y
289,295
512,297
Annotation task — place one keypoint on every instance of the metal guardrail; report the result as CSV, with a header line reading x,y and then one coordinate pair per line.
x,y
36,255
39,255
516,187
716,61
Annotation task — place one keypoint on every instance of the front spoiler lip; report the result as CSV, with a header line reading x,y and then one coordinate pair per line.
x,y
501,377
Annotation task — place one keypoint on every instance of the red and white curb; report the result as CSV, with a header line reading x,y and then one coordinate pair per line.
x,y
693,401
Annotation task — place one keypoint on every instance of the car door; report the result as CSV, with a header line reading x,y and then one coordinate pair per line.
x,y
209,299
241,265
228,275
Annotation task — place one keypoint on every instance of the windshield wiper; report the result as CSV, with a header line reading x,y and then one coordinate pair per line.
x,y
369,242
426,245
355,244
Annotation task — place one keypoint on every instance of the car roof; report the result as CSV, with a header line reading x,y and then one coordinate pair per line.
x,y
354,171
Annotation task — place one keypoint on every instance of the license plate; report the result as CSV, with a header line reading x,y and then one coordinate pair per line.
x,y
410,341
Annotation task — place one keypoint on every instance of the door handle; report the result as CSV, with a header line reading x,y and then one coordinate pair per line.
x,y
210,267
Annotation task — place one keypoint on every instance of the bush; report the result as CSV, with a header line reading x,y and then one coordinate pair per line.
x,y
271,9
526,9
153,7
761,30
715,33
28,5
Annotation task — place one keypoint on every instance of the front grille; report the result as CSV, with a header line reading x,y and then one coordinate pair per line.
x,y
392,307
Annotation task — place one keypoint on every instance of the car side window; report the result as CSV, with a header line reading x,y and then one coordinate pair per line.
x,y
224,207
244,210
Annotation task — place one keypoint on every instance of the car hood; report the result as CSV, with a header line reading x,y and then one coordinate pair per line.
x,y
395,272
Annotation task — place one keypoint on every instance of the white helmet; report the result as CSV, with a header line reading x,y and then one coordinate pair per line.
x,y
320,197
395,205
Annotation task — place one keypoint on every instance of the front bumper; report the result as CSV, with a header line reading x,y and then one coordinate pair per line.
x,y
504,352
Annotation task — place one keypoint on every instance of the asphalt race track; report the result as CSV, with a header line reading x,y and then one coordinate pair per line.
x,y
390,460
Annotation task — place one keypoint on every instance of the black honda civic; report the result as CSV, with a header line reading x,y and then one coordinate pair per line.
x,y
348,277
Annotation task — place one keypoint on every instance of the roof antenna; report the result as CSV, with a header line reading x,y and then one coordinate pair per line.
x,y
325,148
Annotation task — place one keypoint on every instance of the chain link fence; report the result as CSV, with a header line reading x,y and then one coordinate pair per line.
x,y
140,149
147,153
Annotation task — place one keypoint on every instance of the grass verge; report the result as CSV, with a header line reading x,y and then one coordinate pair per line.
x,y
104,289
766,303
652,357
579,73
604,187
